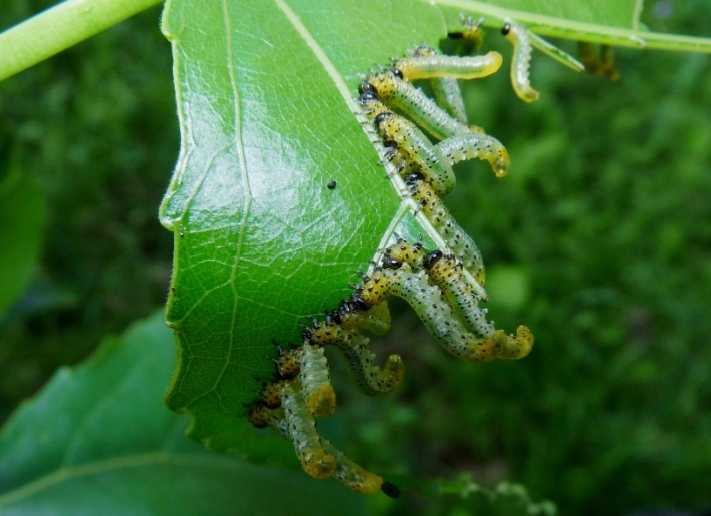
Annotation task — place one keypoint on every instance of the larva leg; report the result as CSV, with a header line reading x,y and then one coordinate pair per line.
x,y
356,347
351,474
416,150
299,426
316,388
461,244
520,61
436,314
476,146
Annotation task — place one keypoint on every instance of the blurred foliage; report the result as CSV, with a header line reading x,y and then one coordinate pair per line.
x,y
96,127
600,241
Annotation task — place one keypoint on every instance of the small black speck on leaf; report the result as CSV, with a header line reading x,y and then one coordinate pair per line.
x,y
331,184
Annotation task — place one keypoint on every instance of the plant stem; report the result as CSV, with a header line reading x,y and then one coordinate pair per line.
x,y
60,27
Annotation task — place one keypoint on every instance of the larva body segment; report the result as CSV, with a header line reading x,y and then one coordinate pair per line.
x,y
416,150
372,378
520,61
319,396
446,273
476,146
427,63
351,474
301,428
414,104
458,240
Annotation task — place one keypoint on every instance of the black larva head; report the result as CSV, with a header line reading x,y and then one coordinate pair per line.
x,y
381,117
506,29
357,304
333,317
397,73
391,263
413,178
455,35
432,258
365,88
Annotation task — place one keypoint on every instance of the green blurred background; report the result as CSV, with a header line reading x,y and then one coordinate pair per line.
x,y
599,240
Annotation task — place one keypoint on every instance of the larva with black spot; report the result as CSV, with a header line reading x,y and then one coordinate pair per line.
x,y
461,244
520,60
402,95
446,273
435,162
375,320
316,388
435,313
301,429
416,150
372,378
425,62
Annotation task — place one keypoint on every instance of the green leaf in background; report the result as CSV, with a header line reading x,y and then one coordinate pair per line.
x,y
617,13
611,22
22,219
265,95
98,440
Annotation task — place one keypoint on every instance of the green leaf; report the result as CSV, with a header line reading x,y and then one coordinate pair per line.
x,y
265,99
265,94
22,218
98,440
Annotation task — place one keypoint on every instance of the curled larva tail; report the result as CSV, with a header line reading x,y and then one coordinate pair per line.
x,y
520,61
351,474
372,378
476,146
434,311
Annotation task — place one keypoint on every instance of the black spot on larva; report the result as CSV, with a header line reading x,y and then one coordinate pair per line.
x,y
397,73
391,263
381,117
331,184
358,304
366,88
506,29
433,258
414,177
455,35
